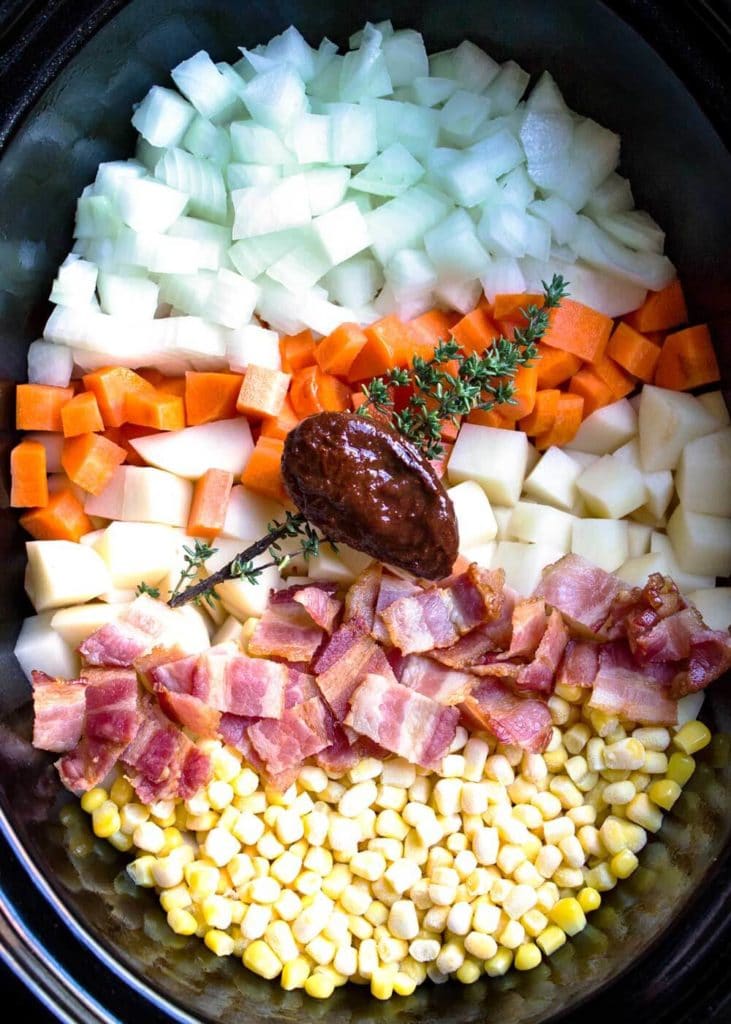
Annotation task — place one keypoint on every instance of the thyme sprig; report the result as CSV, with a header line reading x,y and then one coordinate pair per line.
x,y
145,588
243,566
480,382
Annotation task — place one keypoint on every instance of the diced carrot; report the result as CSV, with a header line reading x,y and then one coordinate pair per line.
x,y
29,483
567,422
544,412
337,352
576,328
297,351
156,410
211,396
525,385
111,387
390,343
303,392
634,352
429,329
507,307
172,386
687,360
263,471
555,367
152,376
660,310
81,415
210,501
440,465
357,398
592,389
123,435
63,518
89,461
475,332
449,430
38,406
656,337
262,391
618,382
279,426
490,418
334,396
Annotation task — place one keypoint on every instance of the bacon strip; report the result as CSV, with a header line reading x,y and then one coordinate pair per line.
x,y
188,711
88,764
162,761
540,673
391,589
240,685
287,629
59,707
320,603
111,705
624,688
284,744
579,665
582,592
362,597
441,684
134,634
521,721
528,626
402,720
344,664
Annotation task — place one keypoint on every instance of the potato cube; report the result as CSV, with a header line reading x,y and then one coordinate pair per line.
x,y
715,403
248,514
703,479
660,544
496,459
668,420
584,459
524,563
39,647
155,496
77,623
502,517
62,573
605,542
243,599
635,571
660,490
553,480
134,552
714,605
606,429
702,543
475,519
638,539
541,524
483,554
629,453
611,489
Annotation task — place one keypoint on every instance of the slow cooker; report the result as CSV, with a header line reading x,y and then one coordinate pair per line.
x,y
72,926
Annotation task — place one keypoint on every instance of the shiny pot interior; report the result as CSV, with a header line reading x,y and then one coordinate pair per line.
x,y
69,918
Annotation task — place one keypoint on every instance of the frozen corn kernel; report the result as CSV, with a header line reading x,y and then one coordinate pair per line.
x,y
644,813
568,915
664,793
94,799
475,754
680,768
105,822
219,942
121,792
468,973
551,939
255,921
600,877
692,737
295,973
423,950
346,961
499,769
367,768
260,958
403,922
623,864
589,899
499,964
220,846
527,956
480,945
512,935
182,922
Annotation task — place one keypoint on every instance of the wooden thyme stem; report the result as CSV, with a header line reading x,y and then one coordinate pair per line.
x,y
223,574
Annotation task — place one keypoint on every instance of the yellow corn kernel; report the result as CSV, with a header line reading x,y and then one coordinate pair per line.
x,y
680,768
500,963
260,959
568,914
177,898
121,842
623,864
589,899
404,985
644,813
469,972
93,799
534,922
219,942
295,973
182,922
572,694
140,871
319,985
105,820
600,877
202,878
527,957
692,737
173,840
664,793
121,791
551,939
382,980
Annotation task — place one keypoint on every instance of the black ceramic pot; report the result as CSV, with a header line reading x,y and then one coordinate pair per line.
x,y
71,925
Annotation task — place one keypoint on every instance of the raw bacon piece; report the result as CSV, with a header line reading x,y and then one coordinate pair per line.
x,y
392,589
528,626
146,665
284,744
286,629
626,689
135,633
59,707
177,676
486,638
579,665
402,720
437,617
540,673
344,664
710,657
233,730
195,772
522,721
361,599
320,603
582,592
238,684
155,750
188,711
112,712
88,764
439,683
300,687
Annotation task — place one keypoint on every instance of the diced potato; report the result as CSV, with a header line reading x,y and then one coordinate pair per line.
x,y
638,539
629,453
118,595
62,573
75,624
660,490
154,496
635,571
611,489
496,459
668,420
190,632
41,648
249,514
689,707
541,524
534,457
554,479
502,517
475,520
584,459
91,538
524,563
229,632
643,516
225,444
715,403
483,554
327,565
703,479
660,544
605,542
606,429
137,552
242,599
109,504
714,605
702,543
356,561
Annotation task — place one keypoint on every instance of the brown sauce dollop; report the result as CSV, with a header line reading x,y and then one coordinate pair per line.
x,y
363,484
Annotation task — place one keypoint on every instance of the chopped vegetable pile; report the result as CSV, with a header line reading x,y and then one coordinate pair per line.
x,y
328,766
